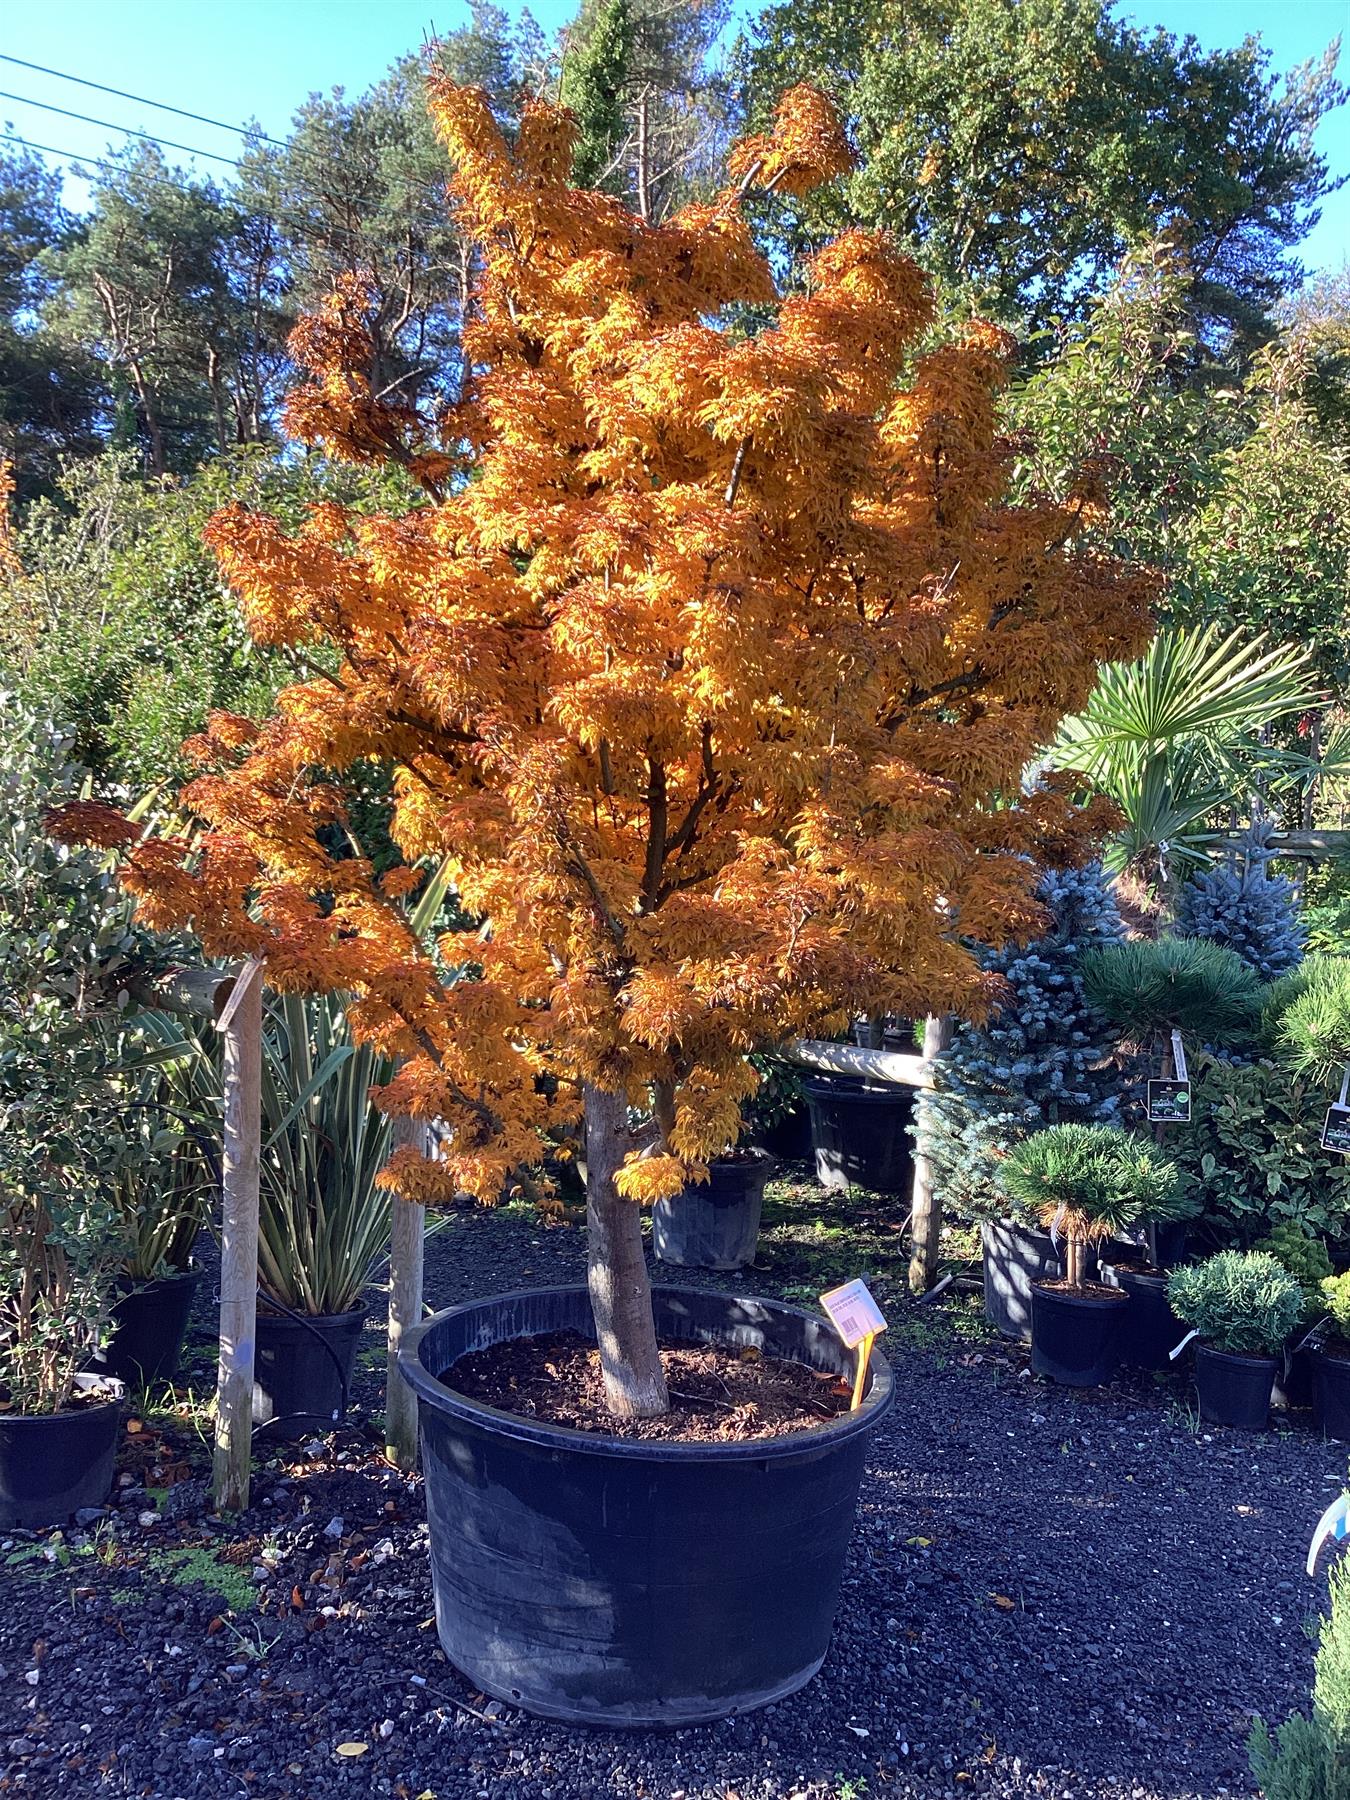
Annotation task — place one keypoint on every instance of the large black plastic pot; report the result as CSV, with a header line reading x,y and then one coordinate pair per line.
x,y
1232,1389
302,1372
1293,1389
53,1464
620,1581
149,1325
1150,1330
1015,1256
715,1224
789,1136
1075,1334
860,1132
1331,1394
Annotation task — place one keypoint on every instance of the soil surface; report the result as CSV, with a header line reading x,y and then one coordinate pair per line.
x,y
716,1395
1051,1594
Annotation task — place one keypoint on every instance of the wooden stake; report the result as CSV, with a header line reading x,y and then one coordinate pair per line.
x,y
407,1238
239,1246
926,1217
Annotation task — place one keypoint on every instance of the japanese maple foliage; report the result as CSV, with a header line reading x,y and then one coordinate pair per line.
x,y
712,663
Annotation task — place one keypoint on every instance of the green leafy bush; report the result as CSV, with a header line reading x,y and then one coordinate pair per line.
x,y
1253,1153
1149,987
1244,1302
1335,1297
1308,1757
1090,1182
1306,1260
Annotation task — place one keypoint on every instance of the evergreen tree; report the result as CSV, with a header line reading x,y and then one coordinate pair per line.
x,y
1036,1061
1244,907
1308,1758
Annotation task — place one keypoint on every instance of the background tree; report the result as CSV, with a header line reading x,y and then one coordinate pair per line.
x,y
1025,145
714,685
1245,907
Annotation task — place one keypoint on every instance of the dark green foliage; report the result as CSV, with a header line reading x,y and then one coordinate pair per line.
x,y
1041,1058
1306,1260
1244,1302
1023,145
1242,906
1149,987
1308,1757
1102,1179
595,75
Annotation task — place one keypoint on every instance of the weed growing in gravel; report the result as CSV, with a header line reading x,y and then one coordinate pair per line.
x,y
197,1567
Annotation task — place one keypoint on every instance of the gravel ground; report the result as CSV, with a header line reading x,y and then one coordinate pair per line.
x,y
1049,1594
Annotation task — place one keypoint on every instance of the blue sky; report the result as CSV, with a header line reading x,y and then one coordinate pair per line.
x,y
259,58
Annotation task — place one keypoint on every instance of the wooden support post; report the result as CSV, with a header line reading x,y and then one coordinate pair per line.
x,y
407,1238
926,1217
242,1028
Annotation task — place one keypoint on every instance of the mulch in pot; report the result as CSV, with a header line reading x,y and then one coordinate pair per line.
x,y
717,1395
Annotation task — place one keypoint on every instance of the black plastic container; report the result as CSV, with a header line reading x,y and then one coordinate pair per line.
x,y
715,1224
1293,1389
149,1325
860,1132
1331,1394
1150,1330
1015,1256
56,1463
622,1581
1075,1335
790,1136
1234,1390
302,1371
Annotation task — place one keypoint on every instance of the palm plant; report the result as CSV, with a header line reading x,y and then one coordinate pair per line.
x,y
1090,1182
1172,738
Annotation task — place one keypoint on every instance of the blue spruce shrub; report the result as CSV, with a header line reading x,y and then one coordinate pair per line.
x,y
1241,905
1034,1062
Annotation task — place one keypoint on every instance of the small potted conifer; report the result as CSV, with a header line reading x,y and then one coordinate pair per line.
x,y
1085,1183
1243,1305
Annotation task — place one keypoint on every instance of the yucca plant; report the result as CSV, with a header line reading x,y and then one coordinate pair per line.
x,y
1150,987
1090,1182
323,1224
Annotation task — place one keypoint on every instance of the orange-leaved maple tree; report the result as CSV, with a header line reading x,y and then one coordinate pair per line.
x,y
711,663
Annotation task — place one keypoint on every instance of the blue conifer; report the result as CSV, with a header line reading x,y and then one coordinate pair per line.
x,y
1241,905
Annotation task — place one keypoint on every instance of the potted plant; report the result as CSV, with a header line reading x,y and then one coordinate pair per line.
x,y
860,1131
1307,1260
1330,1359
1084,1183
699,792
713,1222
66,951
1041,1057
1243,1305
322,1223
164,1195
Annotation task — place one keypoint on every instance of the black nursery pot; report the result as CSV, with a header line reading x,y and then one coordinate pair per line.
x,y
53,1464
620,1581
860,1131
302,1371
1014,1256
1075,1335
715,1224
1331,1394
1150,1330
1234,1390
149,1325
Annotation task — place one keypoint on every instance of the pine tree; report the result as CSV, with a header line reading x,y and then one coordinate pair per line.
x,y
1308,1757
1244,907
1035,1061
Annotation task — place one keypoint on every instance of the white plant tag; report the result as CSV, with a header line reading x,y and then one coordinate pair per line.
x,y
853,1312
1334,1523
1174,1354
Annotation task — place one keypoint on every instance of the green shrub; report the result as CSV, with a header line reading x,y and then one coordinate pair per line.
x,y
1312,1034
1334,1293
1091,1181
1306,1260
1308,1758
1150,987
1244,1302
1254,1156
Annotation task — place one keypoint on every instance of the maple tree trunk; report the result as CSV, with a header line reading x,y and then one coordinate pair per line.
x,y
616,1269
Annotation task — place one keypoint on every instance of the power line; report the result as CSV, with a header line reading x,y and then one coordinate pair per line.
x,y
127,130
142,100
